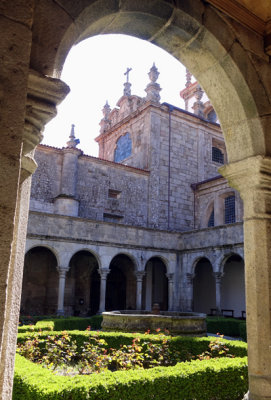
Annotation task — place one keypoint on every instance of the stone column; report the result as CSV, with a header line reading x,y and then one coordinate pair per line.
x,y
61,289
103,274
252,177
35,106
170,291
218,277
190,282
139,280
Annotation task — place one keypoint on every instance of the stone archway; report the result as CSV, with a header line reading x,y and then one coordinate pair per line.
x,y
233,286
228,60
40,282
82,291
214,56
204,295
155,284
121,284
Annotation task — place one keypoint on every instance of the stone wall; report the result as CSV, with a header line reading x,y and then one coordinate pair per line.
x,y
104,190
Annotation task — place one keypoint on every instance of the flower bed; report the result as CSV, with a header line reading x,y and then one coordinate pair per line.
x,y
219,378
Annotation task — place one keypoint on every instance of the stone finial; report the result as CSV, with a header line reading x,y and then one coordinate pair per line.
x,y
153,89
198,93
188,78
105,123
72,142
154,73
106,110
127,84
198,106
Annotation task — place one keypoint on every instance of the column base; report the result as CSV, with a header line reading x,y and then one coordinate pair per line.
x,y
60,313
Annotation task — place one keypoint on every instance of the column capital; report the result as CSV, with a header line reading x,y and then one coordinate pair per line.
x,y
62,270
170,276
103,272
218,276
252,172
140,275
189,278
252,178
43,95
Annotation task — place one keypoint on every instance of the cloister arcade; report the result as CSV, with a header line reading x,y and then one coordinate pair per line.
x,y
132,279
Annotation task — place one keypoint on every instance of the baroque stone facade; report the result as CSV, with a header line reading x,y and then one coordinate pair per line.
x,y
149,221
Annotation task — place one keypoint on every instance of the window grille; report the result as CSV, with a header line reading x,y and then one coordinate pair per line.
x,y
217,155
230,209
211,221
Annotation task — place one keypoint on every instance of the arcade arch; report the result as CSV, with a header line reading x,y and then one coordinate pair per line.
x,y
40,282
155,284
82,288
204,290
233,285
121,284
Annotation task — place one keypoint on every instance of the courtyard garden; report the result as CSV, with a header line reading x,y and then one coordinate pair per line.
x,y
55,361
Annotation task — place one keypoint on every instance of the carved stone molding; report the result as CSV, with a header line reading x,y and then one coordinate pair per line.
x,y
170,276
190,278
62,271
218,276
43,95
140,275
103,273
252,178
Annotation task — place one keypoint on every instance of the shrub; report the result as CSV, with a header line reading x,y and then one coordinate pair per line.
x,y
243,331
193,345
219,379
225,326
61,324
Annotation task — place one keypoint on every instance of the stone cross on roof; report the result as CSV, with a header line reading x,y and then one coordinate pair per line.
x,y
127,73
127,84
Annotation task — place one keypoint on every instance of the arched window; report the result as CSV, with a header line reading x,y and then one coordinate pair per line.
x,y
211,221
217,155
123,148
229,209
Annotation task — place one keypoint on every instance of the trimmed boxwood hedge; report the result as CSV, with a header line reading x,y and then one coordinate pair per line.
x,y
243,331
225,326
219,379
60,324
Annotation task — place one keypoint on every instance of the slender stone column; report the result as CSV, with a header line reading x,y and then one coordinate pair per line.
x,y
218,277
61,289
252,177
103,274
139,280
190,282
170,291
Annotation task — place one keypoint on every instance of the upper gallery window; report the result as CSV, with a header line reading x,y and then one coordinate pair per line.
x,y
211,221
123,148
230,209
217,155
